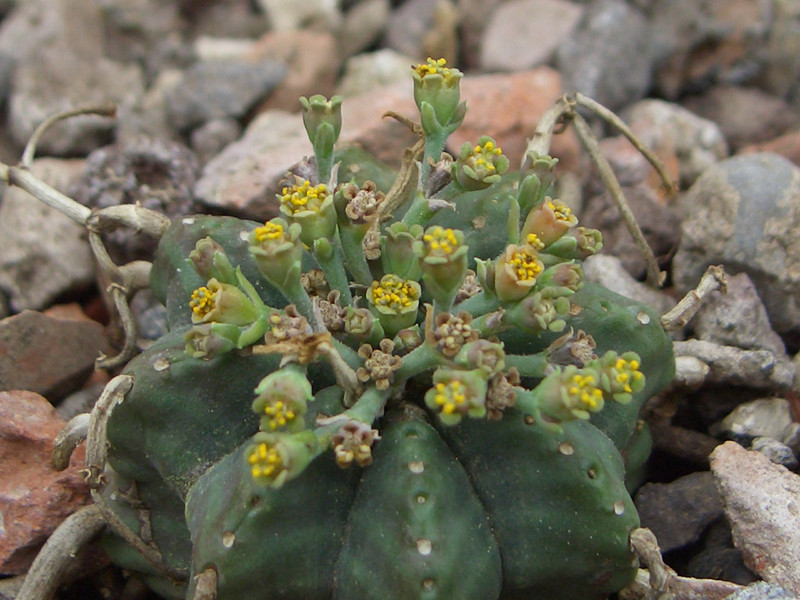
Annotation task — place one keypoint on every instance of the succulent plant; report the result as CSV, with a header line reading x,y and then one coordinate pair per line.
x,y
389,391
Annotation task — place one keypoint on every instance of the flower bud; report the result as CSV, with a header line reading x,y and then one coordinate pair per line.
x,y
443,260
277,252
562,279
620,375
397,254
437,94
211,262
210,340
312,208
570,393
275,458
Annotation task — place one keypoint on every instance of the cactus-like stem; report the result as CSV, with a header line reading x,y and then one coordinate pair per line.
x,y
354,255
528,365
365,410
480,304
329,257
419,213
420,359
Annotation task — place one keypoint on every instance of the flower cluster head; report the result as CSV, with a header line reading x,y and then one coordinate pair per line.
x,y
570,393
443,260
281,399
322,117
549,221
277,252
448,333
456,394
379,365
218,302
517,271
312,207
353,443
395,302
360,203
437,94
536,313
620,375
274,458
477,167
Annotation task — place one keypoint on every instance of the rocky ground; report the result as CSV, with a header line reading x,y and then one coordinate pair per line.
x,y
207,120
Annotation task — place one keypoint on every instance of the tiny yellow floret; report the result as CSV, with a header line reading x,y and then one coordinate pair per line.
x,y
534,241
525,264
269,232
266,462
393,293
441,240
584,389
304,197
561,211
202,301
431,67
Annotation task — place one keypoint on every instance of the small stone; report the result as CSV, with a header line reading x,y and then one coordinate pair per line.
x,y
686,143
607,57
775,451
34,498
290,15
45,253
507,39
737,318
408,26
221,89
744,213
745,115
312,61
244,178
762,591
764,417
366,71
787,145
362,25
51,357
761,504
156,174
150,316
678,512
209,139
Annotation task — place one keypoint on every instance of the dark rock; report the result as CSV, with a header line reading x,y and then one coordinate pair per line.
x,y
678,512
51,357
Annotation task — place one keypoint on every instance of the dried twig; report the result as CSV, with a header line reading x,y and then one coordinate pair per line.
x,y
73,433
712,280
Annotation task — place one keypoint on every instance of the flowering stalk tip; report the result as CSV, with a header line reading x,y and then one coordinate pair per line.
x,y
477,167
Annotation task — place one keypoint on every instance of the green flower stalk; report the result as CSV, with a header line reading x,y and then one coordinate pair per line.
x,y
570,393
580,243
395,302
456,394
322,119
549,221
477,167
397,250
357,209
275,458
437,94
310,206
536,183
443,260
282,399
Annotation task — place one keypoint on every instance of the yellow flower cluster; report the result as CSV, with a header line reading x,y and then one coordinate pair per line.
x,y
266,463
450,396
269,232
561,211
628,373
525,263
483,155
393,293
431,67
441,240
585,389
203,301
280,413
304,197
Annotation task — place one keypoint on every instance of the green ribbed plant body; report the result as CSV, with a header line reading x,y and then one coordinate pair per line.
x,y
315,427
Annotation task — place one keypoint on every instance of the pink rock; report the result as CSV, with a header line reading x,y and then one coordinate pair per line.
x,y
787,145
34,498
762,504
508,108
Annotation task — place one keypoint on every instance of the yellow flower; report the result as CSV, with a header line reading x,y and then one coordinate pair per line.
x,y
517,271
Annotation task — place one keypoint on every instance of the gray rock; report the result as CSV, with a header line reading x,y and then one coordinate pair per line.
x,y
80,401
744,213
45,254
764,417
697,44
775,451
762,591
244,178
738,318
369,70
289,15
210,138
508,40
220,89
678,512
745,115
761,504
362,25
673,131
150,316
607,56
408,27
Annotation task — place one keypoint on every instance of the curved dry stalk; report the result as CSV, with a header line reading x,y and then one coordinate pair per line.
x,y
654,275
713,279
60,549
96,445
73,433
612,119
105,110
539,144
